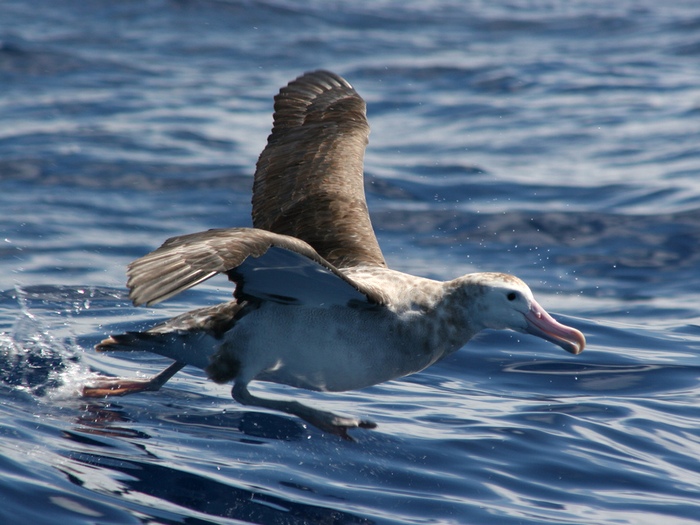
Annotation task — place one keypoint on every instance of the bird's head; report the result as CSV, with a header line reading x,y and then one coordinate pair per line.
x,y
501,301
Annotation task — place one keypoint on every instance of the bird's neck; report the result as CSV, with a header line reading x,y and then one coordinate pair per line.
x,y
437,319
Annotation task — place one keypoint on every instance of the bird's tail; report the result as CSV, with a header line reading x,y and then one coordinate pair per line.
x,y
129,342
190,338
192,348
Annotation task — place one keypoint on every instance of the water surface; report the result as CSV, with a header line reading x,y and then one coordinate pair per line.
x,y
556,141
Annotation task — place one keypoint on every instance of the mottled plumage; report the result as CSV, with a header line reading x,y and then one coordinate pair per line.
x,y
314,306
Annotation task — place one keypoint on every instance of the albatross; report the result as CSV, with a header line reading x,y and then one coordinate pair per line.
x,y
315,305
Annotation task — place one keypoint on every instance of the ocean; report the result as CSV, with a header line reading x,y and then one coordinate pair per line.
x,y
558,141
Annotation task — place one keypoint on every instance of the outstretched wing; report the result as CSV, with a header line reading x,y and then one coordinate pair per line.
x,y
309,178
263,265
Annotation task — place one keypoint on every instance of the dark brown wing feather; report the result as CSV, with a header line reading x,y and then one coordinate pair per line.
x,y
309,178
185,261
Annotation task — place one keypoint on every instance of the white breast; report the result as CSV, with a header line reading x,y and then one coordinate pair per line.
x,y
328,349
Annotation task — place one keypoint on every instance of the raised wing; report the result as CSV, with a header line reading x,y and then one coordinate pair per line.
x,y
263,264
309,178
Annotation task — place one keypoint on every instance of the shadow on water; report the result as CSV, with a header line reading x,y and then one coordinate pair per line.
x,y
103,434
202,495
110,419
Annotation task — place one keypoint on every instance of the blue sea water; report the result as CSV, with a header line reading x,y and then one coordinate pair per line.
x,y
559,141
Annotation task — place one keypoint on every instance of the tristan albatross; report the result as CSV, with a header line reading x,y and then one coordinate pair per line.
x,y
314,304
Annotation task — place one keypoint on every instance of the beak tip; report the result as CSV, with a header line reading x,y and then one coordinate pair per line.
x,y
541,324
575,344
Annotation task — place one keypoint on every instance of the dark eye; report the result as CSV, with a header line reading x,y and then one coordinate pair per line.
x,y
512,296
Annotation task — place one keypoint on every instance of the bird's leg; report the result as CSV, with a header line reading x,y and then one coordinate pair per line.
x,y
115,386
326,421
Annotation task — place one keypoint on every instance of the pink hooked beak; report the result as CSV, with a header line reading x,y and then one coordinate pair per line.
x,y
543,325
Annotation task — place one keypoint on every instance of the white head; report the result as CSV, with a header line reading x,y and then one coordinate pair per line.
x,y
501,301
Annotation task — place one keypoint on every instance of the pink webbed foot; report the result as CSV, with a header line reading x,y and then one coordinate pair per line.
x,y
116,386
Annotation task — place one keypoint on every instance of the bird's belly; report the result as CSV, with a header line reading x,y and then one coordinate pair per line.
x,y
326,377
327,349
333,362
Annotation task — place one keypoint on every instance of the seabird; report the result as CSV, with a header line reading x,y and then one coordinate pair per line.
x,y
315,305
